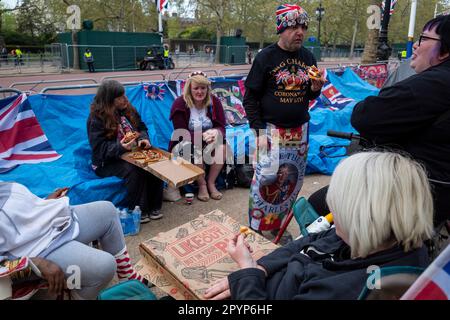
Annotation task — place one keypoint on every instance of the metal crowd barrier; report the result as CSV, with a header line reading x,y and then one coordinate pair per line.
x,y
141,75
5,91
245,71
86,86
178,73
36,83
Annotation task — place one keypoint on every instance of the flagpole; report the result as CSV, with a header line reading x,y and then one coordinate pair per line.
x,y
412,22
159,10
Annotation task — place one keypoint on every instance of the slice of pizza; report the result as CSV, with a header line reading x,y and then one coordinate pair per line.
x,y
130,135
152,156
138,155
244,230
314,73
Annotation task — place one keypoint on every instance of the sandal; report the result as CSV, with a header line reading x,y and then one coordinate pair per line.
x,y
204,198
216,195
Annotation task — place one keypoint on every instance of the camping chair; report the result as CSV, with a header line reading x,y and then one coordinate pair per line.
x,y
304,214
411,283
390,283
127,290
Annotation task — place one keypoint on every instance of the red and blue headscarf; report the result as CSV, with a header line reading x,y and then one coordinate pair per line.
x,y
289,15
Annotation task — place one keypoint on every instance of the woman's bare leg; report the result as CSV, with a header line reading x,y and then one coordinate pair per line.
x,y
214,171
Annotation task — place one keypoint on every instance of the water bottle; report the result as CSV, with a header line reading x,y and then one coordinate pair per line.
x,y
123,220
136,218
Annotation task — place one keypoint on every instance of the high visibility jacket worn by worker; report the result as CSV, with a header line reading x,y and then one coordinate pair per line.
x,y
18,53
88,57
404,53
166,53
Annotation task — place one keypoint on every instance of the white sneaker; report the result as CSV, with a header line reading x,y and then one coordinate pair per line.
x,y
145,218
155,215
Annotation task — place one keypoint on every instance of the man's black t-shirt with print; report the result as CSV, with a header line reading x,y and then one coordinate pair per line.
x,y
278,88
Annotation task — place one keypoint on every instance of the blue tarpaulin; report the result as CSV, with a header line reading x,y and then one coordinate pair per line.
x,y
63,119
324,119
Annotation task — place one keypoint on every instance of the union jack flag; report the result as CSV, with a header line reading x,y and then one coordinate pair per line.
x,y
335,97
286,7
434,282
162,5
21,137
393,3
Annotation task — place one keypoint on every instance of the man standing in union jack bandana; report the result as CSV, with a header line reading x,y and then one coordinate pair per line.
x,y
278,91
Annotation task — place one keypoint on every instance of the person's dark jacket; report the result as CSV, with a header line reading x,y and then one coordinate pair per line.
x,y
294,275
105,149
412,115
180,115
263,92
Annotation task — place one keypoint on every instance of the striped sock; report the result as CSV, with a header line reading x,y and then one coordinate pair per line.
x,y
125,270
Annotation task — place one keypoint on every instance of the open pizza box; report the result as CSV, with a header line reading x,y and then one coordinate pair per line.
x,y
176,172
187,260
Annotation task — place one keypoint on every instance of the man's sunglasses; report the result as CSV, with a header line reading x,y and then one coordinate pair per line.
x,y
427,38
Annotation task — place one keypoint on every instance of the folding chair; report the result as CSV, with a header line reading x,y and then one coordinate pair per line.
x,y
390,283
304,214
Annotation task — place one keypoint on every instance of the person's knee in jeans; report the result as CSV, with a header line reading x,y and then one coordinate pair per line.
x,y
97,277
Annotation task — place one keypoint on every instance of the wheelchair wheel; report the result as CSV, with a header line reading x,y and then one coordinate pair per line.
x,y
143,65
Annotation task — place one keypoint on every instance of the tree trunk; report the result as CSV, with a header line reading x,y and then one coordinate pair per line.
x,y
355,30
261,39
76,56
218,47
371,46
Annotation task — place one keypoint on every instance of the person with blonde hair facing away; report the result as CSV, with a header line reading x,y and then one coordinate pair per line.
x,y
199,126
383,212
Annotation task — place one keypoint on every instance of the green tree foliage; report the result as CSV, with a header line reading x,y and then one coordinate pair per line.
x,y
196,32
35,22
344,21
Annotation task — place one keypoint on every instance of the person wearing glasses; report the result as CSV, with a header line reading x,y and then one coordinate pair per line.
x,y
199,130
277,95
413,115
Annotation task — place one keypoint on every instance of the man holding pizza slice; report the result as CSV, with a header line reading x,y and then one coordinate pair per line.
x,y
278,91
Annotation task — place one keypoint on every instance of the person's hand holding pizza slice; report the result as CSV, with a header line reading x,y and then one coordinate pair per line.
x,y
317,78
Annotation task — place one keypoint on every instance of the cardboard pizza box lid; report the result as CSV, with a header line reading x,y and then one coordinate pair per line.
x,y
188,259
176,172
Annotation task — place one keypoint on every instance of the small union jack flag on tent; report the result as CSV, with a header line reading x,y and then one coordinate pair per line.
x,y
21,137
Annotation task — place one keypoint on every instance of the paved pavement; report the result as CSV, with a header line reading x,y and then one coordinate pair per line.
x,y
78,77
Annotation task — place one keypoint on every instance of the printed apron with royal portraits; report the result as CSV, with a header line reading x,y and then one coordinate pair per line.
x,y
278,177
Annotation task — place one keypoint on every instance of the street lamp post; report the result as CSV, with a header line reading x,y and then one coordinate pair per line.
x,y
384,50
320,11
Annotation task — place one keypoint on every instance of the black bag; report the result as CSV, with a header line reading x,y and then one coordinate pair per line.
x,y
244,175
